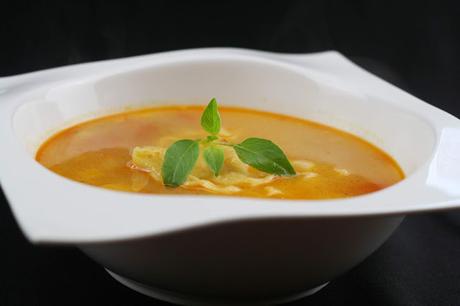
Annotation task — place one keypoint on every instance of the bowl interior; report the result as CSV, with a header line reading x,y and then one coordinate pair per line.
x,y
267,85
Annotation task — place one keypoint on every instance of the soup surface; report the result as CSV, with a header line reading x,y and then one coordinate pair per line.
x,y
125,152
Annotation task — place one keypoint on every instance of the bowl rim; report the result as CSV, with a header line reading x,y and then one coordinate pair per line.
x,y
113,220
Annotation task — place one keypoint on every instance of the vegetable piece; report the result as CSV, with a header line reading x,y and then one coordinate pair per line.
x,y
214,157
179,160
211,138
210,119
265,156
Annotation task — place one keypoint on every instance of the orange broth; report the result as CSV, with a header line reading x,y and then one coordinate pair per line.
x,y
98,152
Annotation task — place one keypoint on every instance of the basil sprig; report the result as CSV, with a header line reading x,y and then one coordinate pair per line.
x,y
181,156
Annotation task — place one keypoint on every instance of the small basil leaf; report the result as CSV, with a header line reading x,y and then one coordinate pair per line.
x,y
211,138
214,157
180,158
210,119
264,155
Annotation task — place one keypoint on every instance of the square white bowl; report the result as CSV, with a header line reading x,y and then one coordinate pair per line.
x,y
113,227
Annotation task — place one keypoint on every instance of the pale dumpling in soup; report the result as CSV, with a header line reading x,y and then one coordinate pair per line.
x,y
234,177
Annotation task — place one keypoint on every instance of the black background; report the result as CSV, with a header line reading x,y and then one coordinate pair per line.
x,y
414,44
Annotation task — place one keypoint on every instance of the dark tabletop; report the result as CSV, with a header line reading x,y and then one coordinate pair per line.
x,y
415,45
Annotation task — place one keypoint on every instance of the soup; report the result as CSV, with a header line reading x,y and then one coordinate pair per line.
x,y
125,152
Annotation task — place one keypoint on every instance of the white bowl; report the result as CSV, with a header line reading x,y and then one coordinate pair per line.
x,y
214,250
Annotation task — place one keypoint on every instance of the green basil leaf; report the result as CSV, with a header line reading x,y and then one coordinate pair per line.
x,y
211,138
264,155
210,119
180,158
214,157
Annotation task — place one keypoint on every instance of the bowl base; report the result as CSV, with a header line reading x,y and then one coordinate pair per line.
x,y
183,299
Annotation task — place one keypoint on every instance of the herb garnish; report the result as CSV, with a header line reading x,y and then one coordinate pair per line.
x,y
181,156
